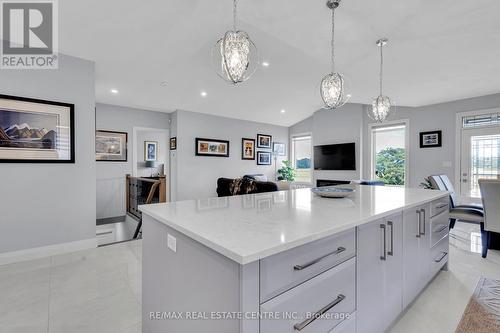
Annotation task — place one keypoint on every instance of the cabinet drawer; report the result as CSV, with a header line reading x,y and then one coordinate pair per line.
x,y
285,270
439,206
439,227
439,256
331,293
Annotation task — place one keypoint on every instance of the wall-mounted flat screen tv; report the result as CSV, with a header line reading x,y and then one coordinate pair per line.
x,y
335,157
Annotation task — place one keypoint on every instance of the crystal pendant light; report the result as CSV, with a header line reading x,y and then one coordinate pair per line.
x,y
234,56
333,86
382,105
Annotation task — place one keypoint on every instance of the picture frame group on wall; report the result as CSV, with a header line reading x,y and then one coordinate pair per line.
x,y
150,151
431,139
36,131
211,147
247,149
264,158
264,141
111,146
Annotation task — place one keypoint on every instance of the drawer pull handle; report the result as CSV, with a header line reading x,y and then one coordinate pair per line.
x,y
384,246
316,315
391,252
442,206
423,212
444,226
419,213
441,258
315,261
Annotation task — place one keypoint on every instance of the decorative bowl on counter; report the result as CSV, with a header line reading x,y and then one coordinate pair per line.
x,y
333,192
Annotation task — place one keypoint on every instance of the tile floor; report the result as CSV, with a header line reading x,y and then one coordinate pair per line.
x,y
99,290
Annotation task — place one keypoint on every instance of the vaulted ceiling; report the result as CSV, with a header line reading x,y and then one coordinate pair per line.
x,y
439,51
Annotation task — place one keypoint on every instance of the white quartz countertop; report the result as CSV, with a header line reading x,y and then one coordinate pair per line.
x,y
252,227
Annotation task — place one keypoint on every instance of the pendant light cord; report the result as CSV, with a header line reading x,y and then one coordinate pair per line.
x,y
235,14
333,40
381,68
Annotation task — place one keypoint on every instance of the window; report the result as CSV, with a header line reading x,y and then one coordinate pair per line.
x,y
301,158
389,153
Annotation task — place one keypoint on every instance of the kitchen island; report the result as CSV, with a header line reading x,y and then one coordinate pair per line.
x,y
291,261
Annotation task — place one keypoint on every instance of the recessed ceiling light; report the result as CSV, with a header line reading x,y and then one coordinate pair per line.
x,y
114,91
265,64
203,94
283,110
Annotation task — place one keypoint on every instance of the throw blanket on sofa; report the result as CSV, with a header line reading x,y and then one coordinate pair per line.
x,y
242,186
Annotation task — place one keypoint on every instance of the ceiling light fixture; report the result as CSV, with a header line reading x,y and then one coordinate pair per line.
x,y
283,111
265,64
235,56
333,86
203,94
382,105
114,91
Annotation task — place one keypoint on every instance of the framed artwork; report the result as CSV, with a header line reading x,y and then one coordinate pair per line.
x,y
263,158
431,139
150,150
173,143
212,147
36,131
264,141
279,148
247,149
110,146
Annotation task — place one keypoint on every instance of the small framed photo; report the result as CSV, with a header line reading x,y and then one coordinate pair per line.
x,y
212,147
431,139
173,143
150,150
264,141
263,158
279,148
110,146
247,149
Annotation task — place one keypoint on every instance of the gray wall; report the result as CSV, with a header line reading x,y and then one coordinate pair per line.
x,y
197,175
111,175
351,123
46,204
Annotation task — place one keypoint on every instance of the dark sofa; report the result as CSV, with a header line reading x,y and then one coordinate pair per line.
x,y
246,185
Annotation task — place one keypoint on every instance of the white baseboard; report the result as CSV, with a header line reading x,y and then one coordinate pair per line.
x,y
46,251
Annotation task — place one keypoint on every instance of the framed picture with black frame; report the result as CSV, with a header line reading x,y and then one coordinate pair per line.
x,y
264,141
111,146
431,139
211,147
36,131
264,158
247,149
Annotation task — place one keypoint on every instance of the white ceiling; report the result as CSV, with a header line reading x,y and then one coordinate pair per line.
x,y
439,51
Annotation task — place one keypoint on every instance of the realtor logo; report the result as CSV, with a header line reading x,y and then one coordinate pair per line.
x,y
29,34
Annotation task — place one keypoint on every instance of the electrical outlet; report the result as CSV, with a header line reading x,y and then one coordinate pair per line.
x,y
172,242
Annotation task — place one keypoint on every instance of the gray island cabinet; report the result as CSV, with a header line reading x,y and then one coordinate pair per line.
x,y
290,261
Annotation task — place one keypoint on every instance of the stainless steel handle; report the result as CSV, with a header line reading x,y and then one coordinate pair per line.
x,y
442,257
444,226
315,261
442,206
391,252
423,212
384,253
316,315
418,223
